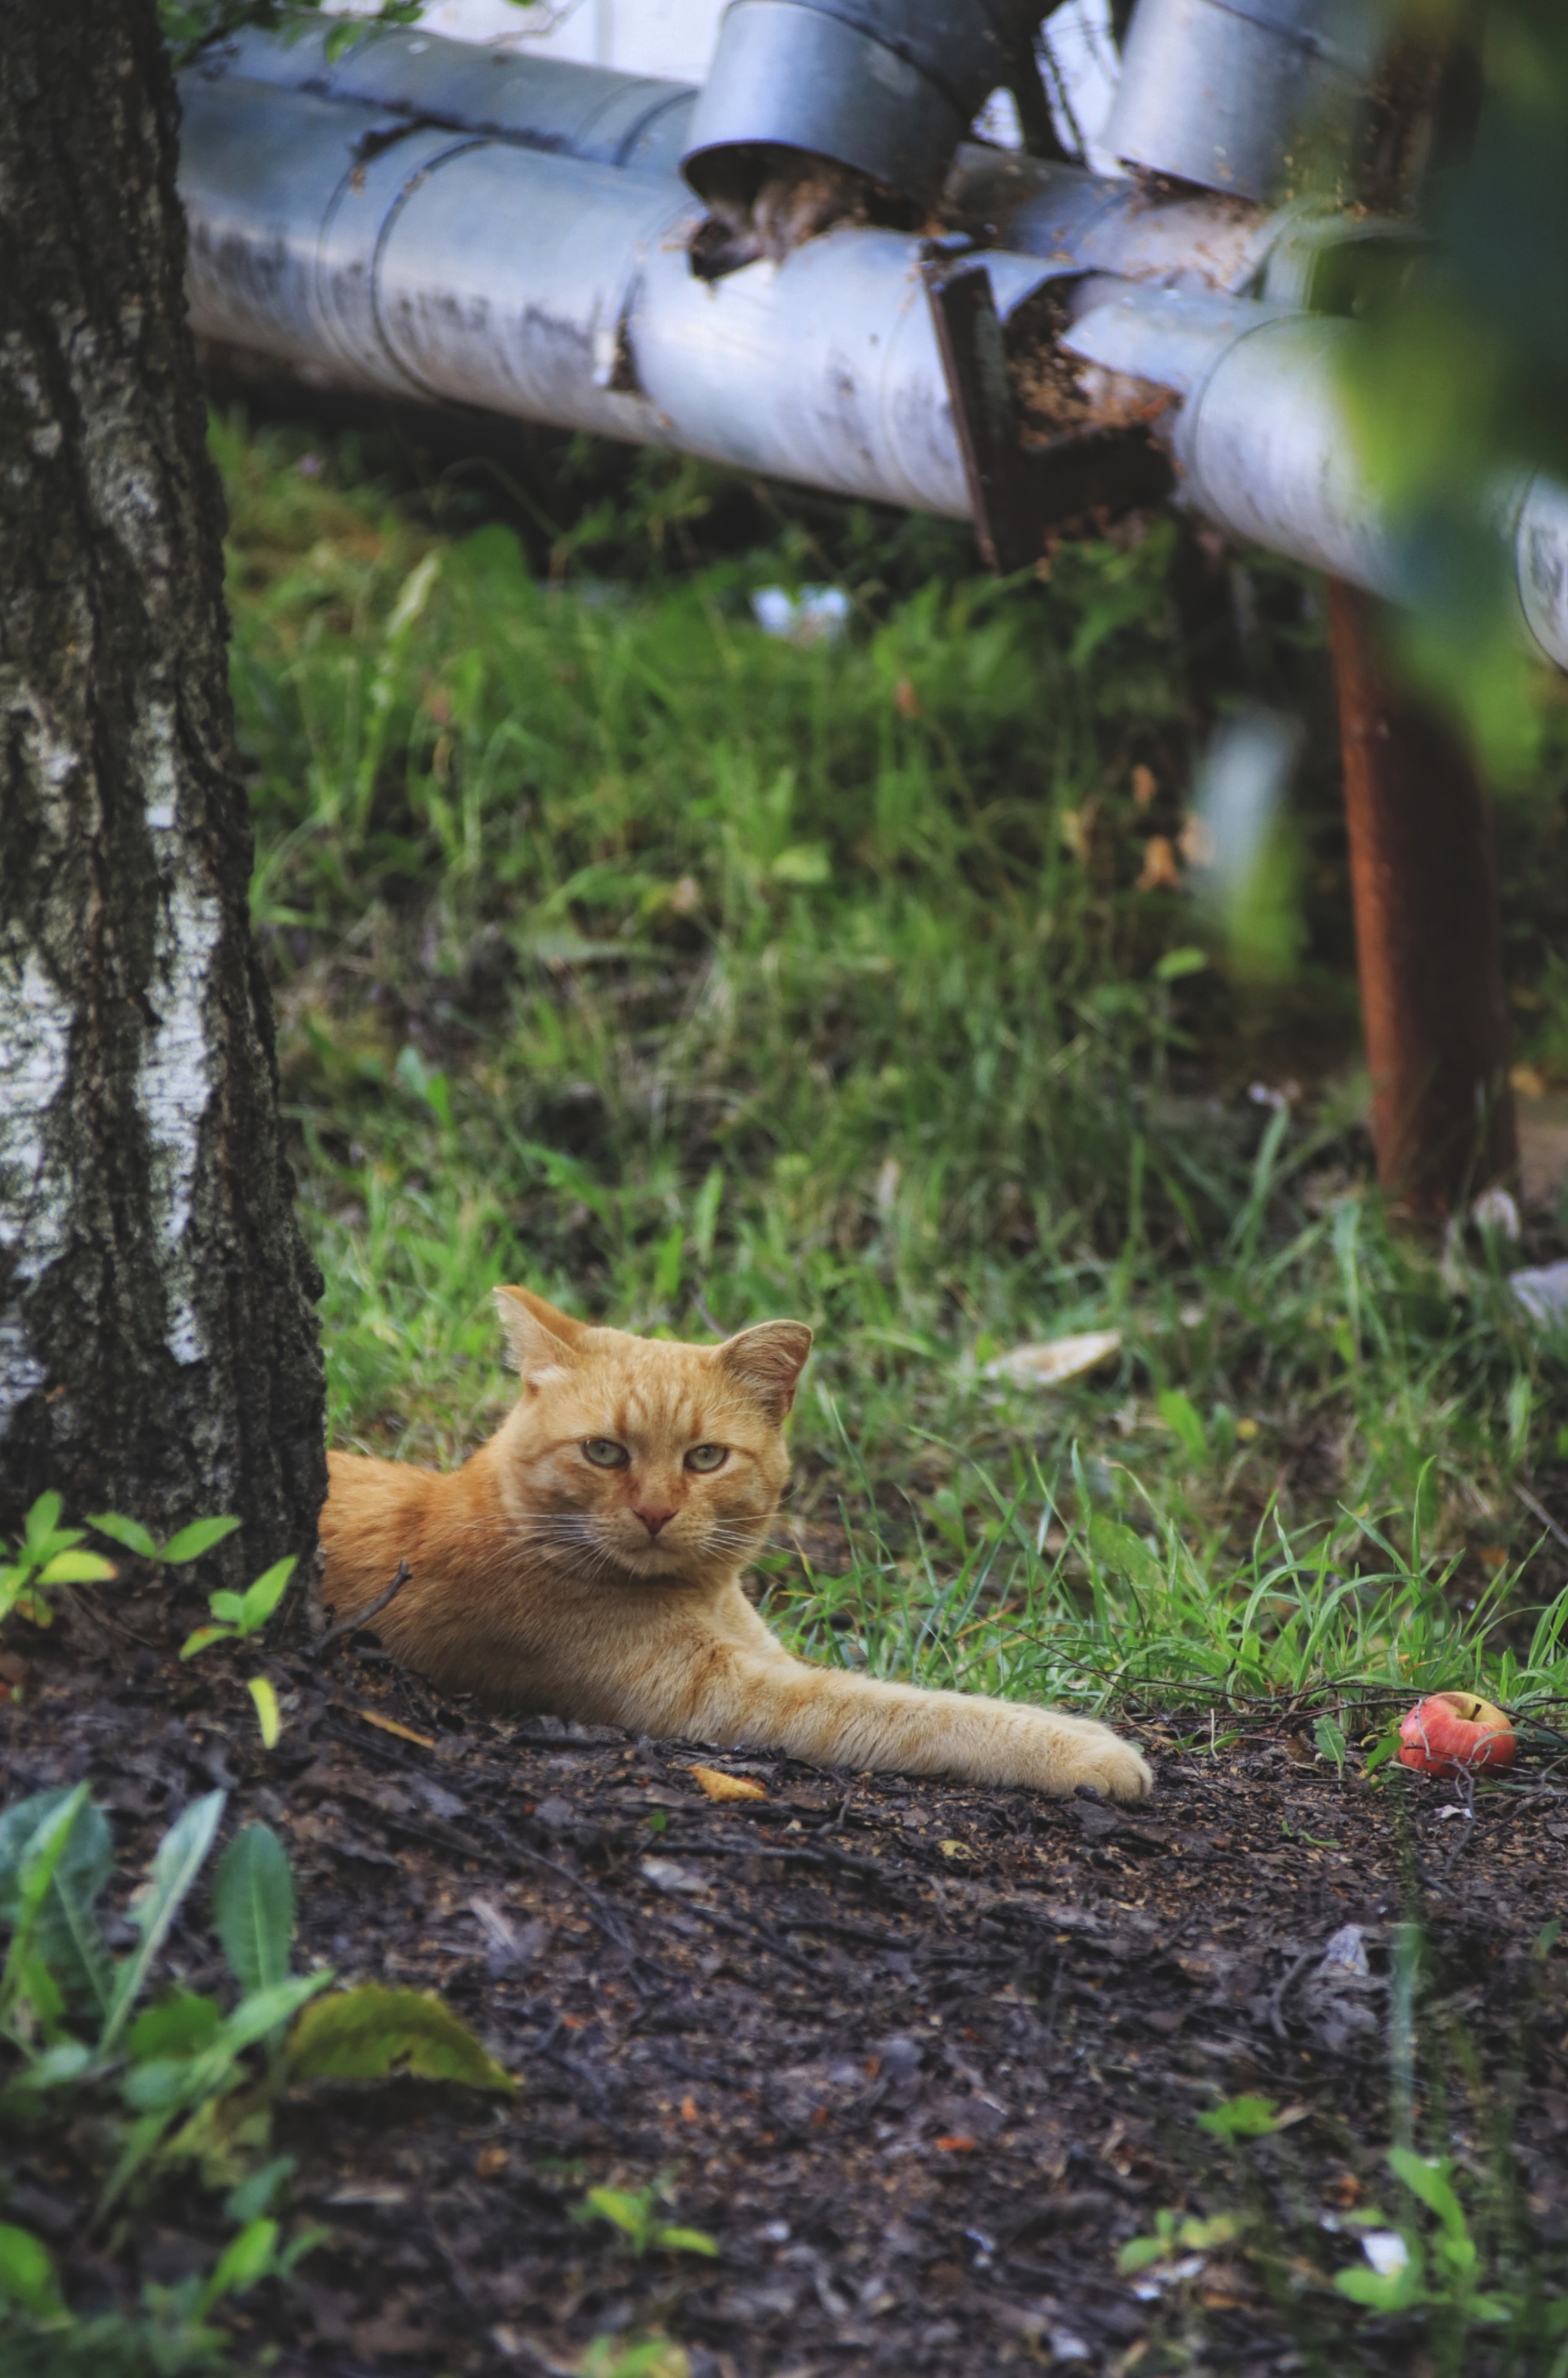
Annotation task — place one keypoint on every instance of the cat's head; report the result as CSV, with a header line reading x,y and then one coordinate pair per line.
x,y
638,1459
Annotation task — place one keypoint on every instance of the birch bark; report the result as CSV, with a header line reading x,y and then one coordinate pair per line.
x,y
158,1347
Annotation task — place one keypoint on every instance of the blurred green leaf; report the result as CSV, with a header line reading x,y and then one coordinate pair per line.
x,y
129,1533
253,1907
176,1862
198,1538
365,2033
27,2274
1241,2118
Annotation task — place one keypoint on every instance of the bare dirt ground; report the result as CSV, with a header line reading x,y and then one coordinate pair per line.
x,y
920,2060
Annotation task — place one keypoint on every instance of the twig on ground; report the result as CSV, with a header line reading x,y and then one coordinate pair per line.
x,y
372,1610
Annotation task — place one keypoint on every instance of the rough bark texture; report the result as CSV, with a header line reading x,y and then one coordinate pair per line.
x,y
1428,935
158,1350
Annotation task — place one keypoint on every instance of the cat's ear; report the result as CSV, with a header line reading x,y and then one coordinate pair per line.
x,y
768,1362
543,1342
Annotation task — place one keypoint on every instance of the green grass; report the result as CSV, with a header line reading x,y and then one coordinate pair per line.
x,y
692,976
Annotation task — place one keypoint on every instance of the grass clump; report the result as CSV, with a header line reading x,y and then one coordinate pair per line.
x,y
693,975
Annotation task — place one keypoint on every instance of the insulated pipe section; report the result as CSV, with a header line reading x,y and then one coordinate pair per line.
x,y
1023,203
1262,449
431,264
888,87
1216,92
608,118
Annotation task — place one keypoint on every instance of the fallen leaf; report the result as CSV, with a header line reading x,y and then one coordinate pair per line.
x,y
491,2160
720,1787
363,2032
1057,1360
689,2111
955,1849
391,1725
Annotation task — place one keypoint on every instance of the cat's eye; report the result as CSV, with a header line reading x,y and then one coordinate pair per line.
x,y
707,1457
604,1453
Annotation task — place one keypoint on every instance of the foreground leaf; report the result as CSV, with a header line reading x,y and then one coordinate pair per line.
x,y
180,2026
203,1637
67,1933
685,2241
129,1533
77,1568
27,2274
198,1538
364,2034
269,1716
260,1600
175,1864
253,1907
35,1863
1242,2117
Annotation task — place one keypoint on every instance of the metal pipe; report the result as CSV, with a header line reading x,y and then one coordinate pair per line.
x,y
889,86
595,113
1027,204
431,263
1260,445
1220,93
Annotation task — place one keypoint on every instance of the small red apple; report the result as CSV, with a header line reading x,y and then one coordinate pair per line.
x,y
1454,1734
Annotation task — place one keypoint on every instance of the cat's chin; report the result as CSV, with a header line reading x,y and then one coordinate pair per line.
x,y
653,1568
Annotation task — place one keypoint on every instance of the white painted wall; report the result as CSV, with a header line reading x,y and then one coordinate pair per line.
x,y
661,37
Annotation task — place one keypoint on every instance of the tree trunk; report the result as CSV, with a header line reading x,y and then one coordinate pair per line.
x,y
158,1350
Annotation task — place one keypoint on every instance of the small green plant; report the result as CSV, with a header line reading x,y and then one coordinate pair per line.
x,y
637,2215
178,2081
1174,2234
649,2356
238,1617
1329,1736
1404,2267
185,1545
1244,2118
47,1556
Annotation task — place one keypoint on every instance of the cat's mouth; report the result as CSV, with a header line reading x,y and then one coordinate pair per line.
x,y
653,1564
663,1563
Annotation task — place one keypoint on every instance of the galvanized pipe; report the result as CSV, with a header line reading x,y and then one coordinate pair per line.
x,y
1218,92
431,263
1261,444
889,86
638,121
595,113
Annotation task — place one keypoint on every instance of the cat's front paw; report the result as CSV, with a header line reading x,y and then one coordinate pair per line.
x,y
1098,1758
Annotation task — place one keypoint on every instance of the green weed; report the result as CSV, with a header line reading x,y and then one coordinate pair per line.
x,y
637,2215
178,2082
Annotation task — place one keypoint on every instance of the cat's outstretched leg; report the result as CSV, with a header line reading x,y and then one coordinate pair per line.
x,y
847,1721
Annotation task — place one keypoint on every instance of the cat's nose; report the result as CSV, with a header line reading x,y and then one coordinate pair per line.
x,y
654,1521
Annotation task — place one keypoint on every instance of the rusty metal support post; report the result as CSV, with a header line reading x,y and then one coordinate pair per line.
x,y
1428,937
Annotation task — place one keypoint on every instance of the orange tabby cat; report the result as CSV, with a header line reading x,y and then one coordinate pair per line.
x,y
587,1561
